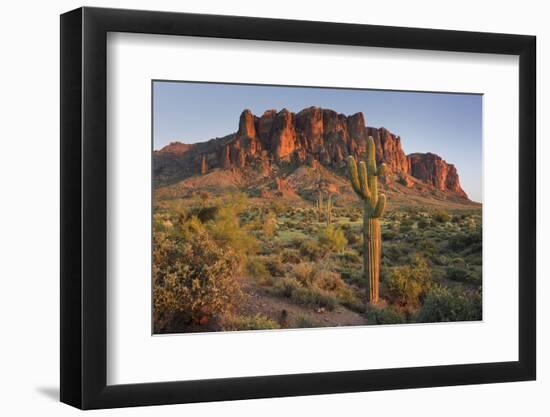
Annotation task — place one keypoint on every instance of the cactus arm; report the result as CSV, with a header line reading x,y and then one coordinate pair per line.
x,y
364,180
371,157
380,206
358,186
381,170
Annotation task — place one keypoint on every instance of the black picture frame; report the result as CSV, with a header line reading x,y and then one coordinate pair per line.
x,y
84,207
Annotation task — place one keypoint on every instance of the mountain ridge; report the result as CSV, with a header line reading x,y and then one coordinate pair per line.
x,y
277,141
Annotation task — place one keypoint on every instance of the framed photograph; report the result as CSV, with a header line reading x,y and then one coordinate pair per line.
x,y
256,208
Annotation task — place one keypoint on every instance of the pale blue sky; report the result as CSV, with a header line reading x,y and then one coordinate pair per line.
x,y
449,125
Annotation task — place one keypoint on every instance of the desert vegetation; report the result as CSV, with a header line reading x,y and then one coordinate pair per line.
x,y
310,219
234,262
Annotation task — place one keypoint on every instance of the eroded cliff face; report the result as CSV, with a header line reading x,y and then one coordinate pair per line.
x,y
314,135
432,169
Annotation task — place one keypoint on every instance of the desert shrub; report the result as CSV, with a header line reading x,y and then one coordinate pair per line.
x,y
352,275
388,234
423,223
286,286
204,214
386,315
395,252
443,304
442,260
227,231
193,279
353,236
290,256
471,240
314,298
458,274
428,247
329,281
332,238
256,268
346,227
409,282
256,322
333,283
350,257
310,249
275,267
278,207
458,261
441,216
269,225
291,288
295,242
304,272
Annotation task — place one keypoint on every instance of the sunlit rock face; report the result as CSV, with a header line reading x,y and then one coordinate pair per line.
x,y
311,136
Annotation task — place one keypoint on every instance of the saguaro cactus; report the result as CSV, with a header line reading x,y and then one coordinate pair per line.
x,y
329,210
365,183
319,206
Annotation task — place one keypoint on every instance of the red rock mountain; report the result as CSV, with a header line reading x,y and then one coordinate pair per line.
x,y
312,136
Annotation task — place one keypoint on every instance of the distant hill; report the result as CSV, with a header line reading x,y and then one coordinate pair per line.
x,y
293,155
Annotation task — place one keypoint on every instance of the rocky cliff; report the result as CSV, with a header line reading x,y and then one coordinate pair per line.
x,y
312,136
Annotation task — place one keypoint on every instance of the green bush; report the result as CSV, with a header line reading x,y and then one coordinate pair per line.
x,y
471,240
304,272
408,283
441,216
458,274
332,282
423,223
269,225
256,322
332,239
386,315
286,286
292,288
227,231
443,304
290,256
315,298
388,234
275,266
311,250
204,214
194,280
256,268
350,257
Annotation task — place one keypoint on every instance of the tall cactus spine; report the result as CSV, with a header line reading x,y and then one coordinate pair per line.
x,y
364,181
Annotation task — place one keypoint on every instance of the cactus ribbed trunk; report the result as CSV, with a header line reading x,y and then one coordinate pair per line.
x,y
364,181
372,242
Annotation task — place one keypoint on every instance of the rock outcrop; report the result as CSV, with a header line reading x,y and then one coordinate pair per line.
x,y
312,136
176,148
432,169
